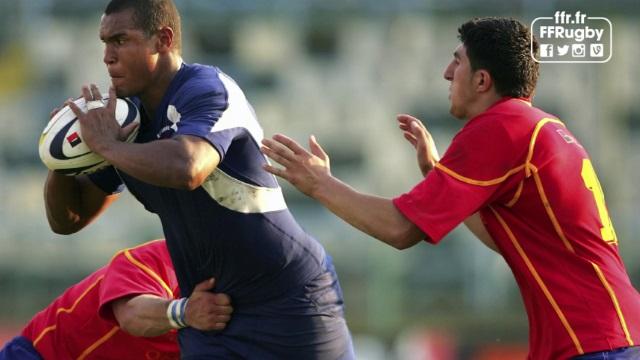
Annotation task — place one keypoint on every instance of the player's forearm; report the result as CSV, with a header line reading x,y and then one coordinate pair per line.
x,y
62,203
64,199
72,202
171,163
376,216
143,315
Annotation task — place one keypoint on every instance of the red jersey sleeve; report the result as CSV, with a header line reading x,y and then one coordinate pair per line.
x,y
481,164
146,269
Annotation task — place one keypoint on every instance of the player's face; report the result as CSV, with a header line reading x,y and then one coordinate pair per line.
x,y
461,90
130,55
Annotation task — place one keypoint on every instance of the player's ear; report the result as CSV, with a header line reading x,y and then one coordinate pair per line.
x,y
483,80
165,39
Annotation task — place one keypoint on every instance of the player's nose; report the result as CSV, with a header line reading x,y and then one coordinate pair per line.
x,y
448,71
109,56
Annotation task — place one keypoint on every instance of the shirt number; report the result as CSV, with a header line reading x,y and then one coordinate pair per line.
x,y
591,182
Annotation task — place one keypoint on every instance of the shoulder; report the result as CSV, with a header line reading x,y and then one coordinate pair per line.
x,y
494,142
200,85
147,266
199,79
511,121
153,251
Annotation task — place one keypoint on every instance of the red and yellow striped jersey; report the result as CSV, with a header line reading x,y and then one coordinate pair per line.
x,y
538,195
79,324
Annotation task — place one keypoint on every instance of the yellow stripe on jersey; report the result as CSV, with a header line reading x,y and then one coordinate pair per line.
x,y
150,272
516,196
549,210
479,182
99,342
67,310
614,299
534,137
134,247
527,166
46,330
541,283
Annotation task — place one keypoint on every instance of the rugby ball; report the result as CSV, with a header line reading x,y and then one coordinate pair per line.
x,y
61,146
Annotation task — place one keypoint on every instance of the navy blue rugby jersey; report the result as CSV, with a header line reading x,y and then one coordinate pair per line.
x,y
236,226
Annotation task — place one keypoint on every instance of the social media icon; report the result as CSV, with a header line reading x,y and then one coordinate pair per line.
x,y
578,50
546,50
563,50
597,50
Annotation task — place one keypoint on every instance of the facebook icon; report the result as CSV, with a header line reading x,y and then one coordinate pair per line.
x,y
546,50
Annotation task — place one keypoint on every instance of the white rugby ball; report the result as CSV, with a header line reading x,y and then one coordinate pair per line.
x,y
61,146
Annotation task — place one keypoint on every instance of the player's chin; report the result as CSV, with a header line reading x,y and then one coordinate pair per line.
x,y
456,112
122,91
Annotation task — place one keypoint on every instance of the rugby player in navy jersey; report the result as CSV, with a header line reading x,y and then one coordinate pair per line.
x,y
196,163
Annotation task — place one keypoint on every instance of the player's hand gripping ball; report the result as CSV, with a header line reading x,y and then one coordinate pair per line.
x,y
61,146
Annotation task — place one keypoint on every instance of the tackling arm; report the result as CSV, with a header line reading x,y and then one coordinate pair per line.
x,y
146,315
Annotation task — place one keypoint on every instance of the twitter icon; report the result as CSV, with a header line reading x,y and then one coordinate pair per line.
x,y
563,50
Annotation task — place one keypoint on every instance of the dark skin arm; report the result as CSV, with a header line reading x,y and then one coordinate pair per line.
x,y
182,162
72,202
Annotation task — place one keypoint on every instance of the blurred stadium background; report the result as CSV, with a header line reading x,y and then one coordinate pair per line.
x,y
341,70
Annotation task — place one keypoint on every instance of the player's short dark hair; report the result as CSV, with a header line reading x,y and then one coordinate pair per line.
x,y
151,15
502,46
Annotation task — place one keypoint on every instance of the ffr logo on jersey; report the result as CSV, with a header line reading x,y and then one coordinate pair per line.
x,y
572,37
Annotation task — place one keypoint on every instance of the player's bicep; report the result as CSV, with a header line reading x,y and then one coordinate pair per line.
x,y
117,309
94,199
203,156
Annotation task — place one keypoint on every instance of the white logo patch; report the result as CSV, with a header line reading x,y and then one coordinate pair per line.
x,y
174,117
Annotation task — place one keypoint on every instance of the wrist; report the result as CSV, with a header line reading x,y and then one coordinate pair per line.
x,y
324,189
176,313
103,146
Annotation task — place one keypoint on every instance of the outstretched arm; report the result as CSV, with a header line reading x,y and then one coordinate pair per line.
x,y
310,173
146,315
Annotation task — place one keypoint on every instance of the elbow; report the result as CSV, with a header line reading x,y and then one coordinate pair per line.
x,y
131,326
402,243
190,181
405,237
64,229
191,176
129,329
